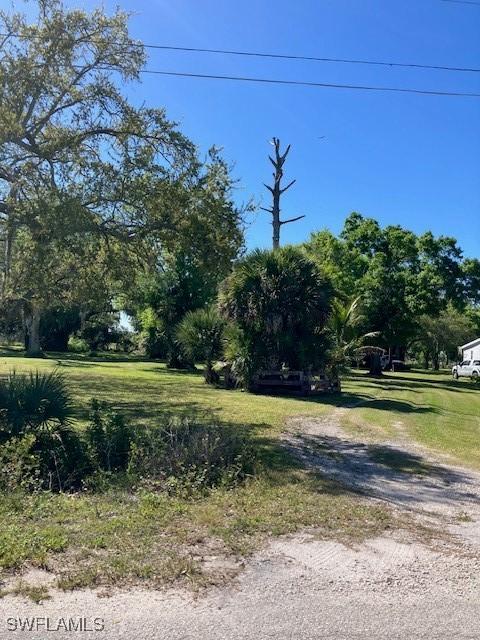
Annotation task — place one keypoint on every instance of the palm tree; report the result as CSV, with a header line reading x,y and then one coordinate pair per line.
x,y
344,324
200,335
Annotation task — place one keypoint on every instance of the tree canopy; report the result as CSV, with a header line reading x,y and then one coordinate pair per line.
x,y
398,276
90,184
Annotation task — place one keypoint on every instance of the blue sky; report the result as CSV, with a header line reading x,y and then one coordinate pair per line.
x,y
403,159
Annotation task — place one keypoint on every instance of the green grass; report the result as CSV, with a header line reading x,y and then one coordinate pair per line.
x,y
145,390
125,537
430,408
119,538
35,593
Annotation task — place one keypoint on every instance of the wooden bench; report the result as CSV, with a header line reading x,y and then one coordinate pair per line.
x,y
299,382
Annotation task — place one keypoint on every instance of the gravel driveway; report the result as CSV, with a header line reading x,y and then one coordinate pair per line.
x,y
394,586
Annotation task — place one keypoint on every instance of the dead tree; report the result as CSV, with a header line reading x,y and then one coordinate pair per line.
x,y
277,191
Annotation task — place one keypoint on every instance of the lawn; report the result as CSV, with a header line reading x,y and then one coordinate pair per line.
x,y
431,408
123,537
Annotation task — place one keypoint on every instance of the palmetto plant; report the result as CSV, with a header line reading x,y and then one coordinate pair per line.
x,y
34,402
200,335
36,413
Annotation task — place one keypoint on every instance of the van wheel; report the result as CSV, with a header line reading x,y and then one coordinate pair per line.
x,y
475,376
455,375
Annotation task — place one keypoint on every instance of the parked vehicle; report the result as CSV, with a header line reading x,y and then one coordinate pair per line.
x,y
399,365
385,361
395,365
467,369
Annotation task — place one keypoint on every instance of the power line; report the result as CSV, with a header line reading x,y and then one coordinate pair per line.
x,y
283,56
463,2
306,83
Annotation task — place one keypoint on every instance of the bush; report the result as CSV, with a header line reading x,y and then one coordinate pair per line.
x,y
19,464
39,449
191,456
57,324
34,402
36,433
109,438
126,341
152,335
78,345
100,330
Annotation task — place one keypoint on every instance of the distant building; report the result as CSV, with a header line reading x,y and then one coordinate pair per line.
x,y
471,351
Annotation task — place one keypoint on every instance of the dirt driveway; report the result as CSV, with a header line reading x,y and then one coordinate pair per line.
x,y
402,585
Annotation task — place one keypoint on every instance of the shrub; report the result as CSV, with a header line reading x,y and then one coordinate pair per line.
x,y
57,324
19,464
40,450
191,456
36,432
78,345
200,336
64,463
34,402
109,438
126,341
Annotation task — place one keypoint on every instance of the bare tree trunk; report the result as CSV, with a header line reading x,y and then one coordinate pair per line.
x,y
426,357
278,161
9,232
32,331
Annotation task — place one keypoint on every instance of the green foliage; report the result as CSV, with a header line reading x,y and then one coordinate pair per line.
x,y
19,464
163,298
80,167
200,335
101,330
187,266
77,345
57,324
190,456
344,327
109,438
471,272
35,414
443,335
34,403
153,339
398,275
39,450
280,300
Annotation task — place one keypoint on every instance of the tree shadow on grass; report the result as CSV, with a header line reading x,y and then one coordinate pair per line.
x,y
405,383
350,400
390,473
171,371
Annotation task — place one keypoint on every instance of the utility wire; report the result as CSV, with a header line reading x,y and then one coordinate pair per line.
x,y
303,83
463,2
284,56
306,83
